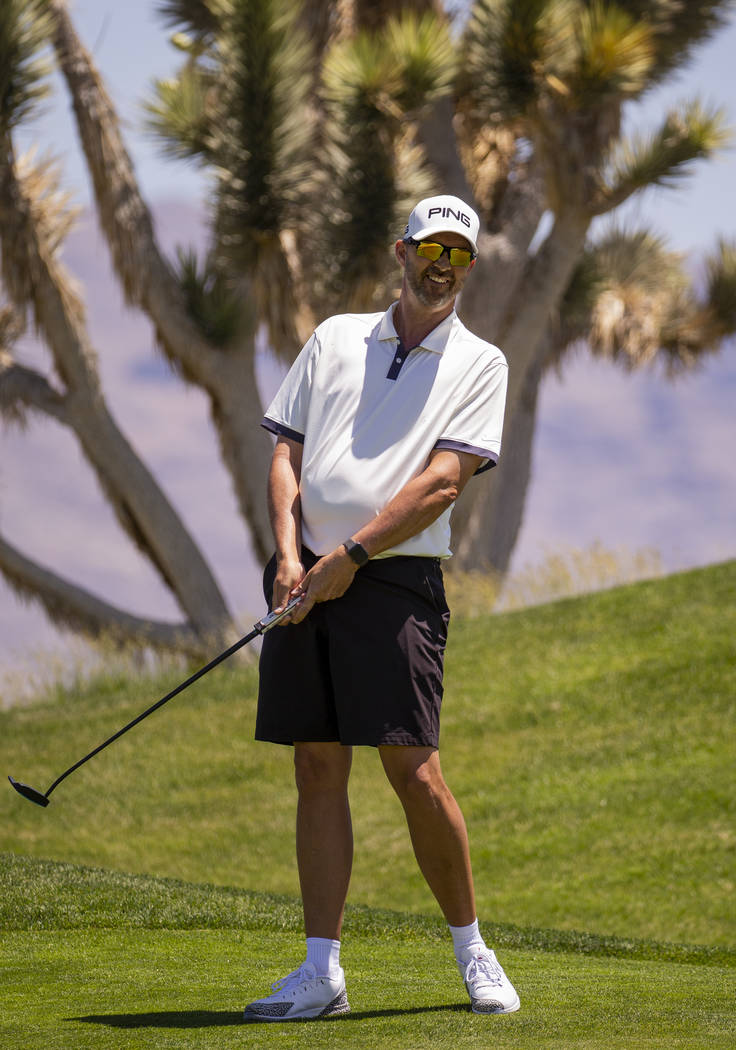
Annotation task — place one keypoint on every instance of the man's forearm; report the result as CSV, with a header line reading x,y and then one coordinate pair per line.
x,y
413,509
284,506
419,503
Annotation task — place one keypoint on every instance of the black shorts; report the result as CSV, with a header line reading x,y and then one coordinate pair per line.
x,y
362,669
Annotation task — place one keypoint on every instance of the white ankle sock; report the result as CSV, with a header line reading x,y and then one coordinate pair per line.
x,y
324,955
465,939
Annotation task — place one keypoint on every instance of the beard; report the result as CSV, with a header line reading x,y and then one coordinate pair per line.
x,y
428,292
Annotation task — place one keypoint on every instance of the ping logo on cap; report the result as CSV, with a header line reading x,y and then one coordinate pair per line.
x,y
448,213
443,214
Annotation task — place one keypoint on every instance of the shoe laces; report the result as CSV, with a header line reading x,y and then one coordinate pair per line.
x,y
487,968
305,972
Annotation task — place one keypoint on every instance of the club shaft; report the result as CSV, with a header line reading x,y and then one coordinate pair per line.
x,y
159,703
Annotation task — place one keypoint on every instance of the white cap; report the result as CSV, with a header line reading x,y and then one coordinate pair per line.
x,y
442,215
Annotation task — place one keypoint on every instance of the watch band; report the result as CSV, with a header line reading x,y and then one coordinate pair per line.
x,y
357,552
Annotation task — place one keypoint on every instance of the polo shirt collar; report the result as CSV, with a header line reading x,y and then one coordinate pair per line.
x,y
436,340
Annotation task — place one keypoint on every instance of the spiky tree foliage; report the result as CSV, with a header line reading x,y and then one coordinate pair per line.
x,y
664,157
261,148
24,30
319,125
558,74
677,28
198,17
721,288
631,301
309,187
374,167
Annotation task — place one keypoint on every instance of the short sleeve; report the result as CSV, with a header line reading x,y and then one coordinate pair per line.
x,y
477,424
287,413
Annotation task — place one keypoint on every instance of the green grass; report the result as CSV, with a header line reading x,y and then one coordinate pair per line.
x,y
103,960
591,744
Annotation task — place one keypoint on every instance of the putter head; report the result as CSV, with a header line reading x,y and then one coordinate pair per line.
x,y
30,793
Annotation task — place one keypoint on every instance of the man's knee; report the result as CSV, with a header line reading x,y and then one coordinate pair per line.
x,y
321,767
415,774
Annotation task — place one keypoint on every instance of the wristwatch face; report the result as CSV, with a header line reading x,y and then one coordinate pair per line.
x,y
356,552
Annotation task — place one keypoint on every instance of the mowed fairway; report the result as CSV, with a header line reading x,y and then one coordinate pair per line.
x,y
591,743
104,961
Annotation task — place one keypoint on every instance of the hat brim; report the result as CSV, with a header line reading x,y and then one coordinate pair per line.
x,y
433,230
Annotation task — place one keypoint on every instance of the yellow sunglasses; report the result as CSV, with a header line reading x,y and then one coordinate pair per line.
x,y
433,251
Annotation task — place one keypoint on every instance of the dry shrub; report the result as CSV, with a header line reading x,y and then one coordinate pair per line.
x,y
558,574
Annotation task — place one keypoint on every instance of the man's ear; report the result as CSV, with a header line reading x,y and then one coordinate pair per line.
x,y
400,252
472,264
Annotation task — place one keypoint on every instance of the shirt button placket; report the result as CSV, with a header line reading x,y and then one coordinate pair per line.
x,y
393,372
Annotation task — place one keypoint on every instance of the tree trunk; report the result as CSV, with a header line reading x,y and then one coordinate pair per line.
x,y
494,517
503,255
488,516
246,447
437,136
228,375
538,296
35,279
150,520
498,274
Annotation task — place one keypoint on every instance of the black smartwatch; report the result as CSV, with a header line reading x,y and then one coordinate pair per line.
x,y
357,552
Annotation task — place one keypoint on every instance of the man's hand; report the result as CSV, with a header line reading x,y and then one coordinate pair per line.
x,y
289,574
330,578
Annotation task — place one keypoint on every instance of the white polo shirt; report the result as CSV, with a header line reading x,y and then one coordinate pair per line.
x,y
369,414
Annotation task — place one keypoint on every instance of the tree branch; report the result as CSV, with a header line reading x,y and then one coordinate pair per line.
x,y
73,608
151,284
503,255
438,139
538,295
22,388
146,276
32,275
688,133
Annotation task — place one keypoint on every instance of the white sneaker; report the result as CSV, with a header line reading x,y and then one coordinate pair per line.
x,y
301,994
490,990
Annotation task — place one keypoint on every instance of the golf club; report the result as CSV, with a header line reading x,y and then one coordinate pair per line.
x,y
269,621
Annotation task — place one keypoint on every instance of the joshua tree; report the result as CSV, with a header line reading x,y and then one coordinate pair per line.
x,y
319,125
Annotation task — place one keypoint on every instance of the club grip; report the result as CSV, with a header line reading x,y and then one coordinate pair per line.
x,y
276,617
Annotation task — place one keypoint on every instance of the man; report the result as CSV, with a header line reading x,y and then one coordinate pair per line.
x,y
380,423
